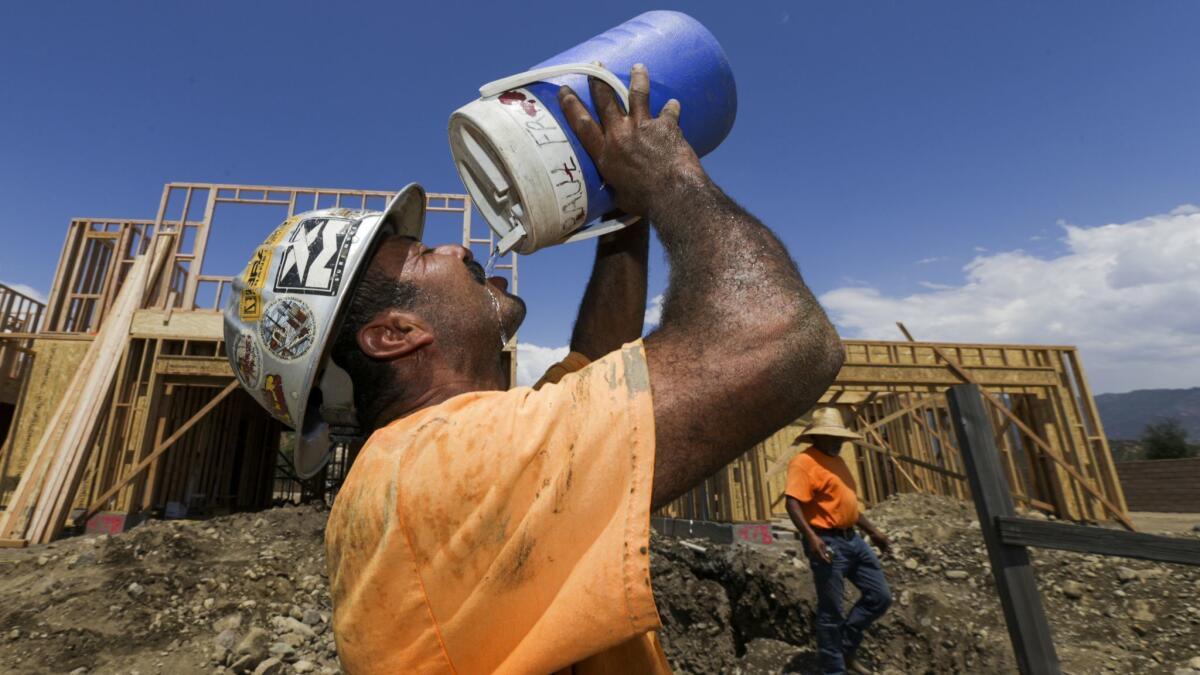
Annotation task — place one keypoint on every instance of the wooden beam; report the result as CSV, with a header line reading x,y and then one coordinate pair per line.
x,y
47,335
920,403
913,483
13,543
1100,540
999,346
1016,585
935,433
933,375
1033,503
180,324
778,499
879,439
916,462
1104,455
98,505
1040,505
193,366
1003,430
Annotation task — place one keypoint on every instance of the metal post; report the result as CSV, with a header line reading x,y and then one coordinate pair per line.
x,y
1015,582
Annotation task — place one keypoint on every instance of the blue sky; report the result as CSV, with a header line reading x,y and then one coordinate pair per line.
x,y
897,148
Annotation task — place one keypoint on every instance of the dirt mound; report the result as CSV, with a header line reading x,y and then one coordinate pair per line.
x,y
172,597
247,593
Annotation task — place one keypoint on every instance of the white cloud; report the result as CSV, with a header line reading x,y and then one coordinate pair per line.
x,y
926,261
533,360
981,249
934,286
1127,294
653,314
25,289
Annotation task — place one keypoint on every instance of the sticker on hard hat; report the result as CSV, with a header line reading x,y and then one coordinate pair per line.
x,y
284,227
250,305
273,391
255,277
248,359
287,328
315,256
256,272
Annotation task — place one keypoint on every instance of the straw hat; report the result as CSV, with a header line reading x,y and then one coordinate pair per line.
x,y
827,421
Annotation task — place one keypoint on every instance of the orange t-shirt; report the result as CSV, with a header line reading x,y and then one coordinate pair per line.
x,y
503,531
825,489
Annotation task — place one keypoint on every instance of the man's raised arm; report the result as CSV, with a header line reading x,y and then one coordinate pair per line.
x,y
614,304
743,347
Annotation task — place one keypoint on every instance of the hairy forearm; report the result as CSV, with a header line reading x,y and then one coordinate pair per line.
x,y
705,232
614,304
734,286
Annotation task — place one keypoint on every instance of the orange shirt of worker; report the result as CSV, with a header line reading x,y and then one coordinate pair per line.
x,y
825,489
504,531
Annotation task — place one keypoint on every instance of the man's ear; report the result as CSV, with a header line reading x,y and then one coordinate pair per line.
x,y
394,334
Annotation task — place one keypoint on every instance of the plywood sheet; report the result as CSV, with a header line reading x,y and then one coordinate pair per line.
x,y
54,365
196,325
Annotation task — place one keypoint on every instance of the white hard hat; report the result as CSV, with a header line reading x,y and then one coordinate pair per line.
x,y
285,310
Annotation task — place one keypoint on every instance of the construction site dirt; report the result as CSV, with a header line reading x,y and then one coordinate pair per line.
x,y
247,593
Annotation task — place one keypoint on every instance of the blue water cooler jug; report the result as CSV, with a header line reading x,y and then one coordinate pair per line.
x,y
524,168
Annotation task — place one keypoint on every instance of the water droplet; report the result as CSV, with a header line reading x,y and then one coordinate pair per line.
x,y
490,267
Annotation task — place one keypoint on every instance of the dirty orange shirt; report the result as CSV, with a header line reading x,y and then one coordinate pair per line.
x,y
571,362
503,531
825,489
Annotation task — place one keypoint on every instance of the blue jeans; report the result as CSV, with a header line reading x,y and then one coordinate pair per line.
x,y
838,638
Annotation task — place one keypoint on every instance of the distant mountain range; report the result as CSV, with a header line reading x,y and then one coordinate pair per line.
x,y
1125,416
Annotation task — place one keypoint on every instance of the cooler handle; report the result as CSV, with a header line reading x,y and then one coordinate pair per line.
x,y
497,87
604,227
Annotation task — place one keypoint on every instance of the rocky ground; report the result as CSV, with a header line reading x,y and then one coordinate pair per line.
x,y
749,610
247,594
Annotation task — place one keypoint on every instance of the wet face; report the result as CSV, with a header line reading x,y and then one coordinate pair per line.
x,y
474,311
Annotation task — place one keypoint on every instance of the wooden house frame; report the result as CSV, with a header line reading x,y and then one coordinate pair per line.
x,y
1043,416
19,313
164,442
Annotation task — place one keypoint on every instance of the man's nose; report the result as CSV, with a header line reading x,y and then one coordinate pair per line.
x,y
461,252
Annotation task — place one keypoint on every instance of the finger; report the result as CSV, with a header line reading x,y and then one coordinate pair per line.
x,y
639,93
589,133
605,100
671,112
